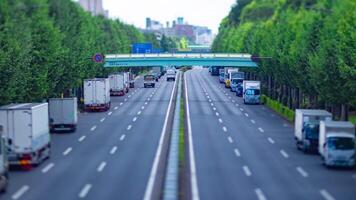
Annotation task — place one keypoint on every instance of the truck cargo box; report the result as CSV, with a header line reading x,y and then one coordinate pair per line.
x,y
63,114
97,94
117,85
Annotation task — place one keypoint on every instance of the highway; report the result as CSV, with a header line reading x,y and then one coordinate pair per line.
x,y
239,151
248,152
110,155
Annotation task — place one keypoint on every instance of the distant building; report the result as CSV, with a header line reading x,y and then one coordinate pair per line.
x,y
153,25
95,7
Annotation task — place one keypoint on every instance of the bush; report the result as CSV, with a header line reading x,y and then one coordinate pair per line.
x,y
279,108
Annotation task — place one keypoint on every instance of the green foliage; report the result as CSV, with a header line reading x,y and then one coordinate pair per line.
x,y
278,108
46,47
352,119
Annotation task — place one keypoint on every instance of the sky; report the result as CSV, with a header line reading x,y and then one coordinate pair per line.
x,y
196,12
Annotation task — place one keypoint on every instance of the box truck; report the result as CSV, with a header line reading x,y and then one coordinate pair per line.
x,y
117,85
26,132
229,73
4,164
222,77
171,74
149,81
251,92
236,79
306,128
131,80
157,72
63,114
337,143
97,94
127,81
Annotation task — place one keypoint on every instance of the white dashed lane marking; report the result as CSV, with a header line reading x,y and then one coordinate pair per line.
x,y
110,113
116,108
260,194
247,170
271,140
261,130
237,152
217,114
82,138
230,139
121,104
67,151
326,195
47,168
139,113
102,119
134,119
302,172
214,108
20,192
220,120
224,129
122,137
253,121
246,114
101,166
284,154
83,193
129,127
93,128
113,150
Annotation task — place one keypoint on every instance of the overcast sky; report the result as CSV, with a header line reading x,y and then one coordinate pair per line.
x,y
196,12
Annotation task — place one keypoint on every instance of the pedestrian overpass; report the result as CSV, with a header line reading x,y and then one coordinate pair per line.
x,y
179,59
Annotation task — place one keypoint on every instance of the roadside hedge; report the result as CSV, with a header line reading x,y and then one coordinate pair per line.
x,y
279,108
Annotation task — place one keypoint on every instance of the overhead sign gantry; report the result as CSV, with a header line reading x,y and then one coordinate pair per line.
x,y
179,59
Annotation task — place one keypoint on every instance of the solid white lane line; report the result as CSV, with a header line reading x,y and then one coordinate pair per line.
x,y
224,129
237,152
83,193
246,114
220,120
326,195
47,168
284,154
93,128
253,121
260,194
139,113
302,172
102,119
113,150
214,108
82,138
116,108
122,137
67,151
271,140
230,139
247,170
154,169
20,192
121,104
261,130
134,119
101,166
109,113
217,114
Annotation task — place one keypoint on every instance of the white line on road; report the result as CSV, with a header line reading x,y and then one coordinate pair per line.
x,y
143,107
261,130
121,104
220,120
67,151
116,108
139,113
229,97
129,127
93,128
212,104
302,172
217,114
224,129
83,193
113,150
101,166
129,96
214,108
246,114
146,103
109,113
260,194
326,195
125,99
271,140
247,170
122,137
233,101
102,119
134,119
237,152
253,121
230,139
237,105
209,100
241,109
47,168
20,192
148,99
82,138
284,154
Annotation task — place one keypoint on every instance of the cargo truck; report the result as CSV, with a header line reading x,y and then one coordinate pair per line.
x,y
222,77
117,85
97,94
131,80
228,76
251,92
149,81
63,114
337,143
236,79
126,81
157,71
171,74
26,132
306,128
4,163
215,70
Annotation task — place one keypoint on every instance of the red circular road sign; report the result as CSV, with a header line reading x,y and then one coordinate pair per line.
x,y
98,58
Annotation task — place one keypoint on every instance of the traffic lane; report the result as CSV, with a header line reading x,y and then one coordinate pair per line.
x,y
218,171
283,138
269,170
30,177
129,168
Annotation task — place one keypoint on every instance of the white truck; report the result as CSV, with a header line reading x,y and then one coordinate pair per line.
x,y
26,131
306,128
251,92
4,163
171,74
97,94
117,85
149,80
337,143
127,81
63,114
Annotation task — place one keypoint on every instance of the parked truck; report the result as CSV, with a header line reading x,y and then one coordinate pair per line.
x,y
228,76
236,79
222,77
26,132
149,81
97,94
117,85
126,81
171,74
306,128
4,163
337,143
63,114
251,92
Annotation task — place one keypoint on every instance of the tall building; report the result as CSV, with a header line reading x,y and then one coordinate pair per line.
x,y
95,7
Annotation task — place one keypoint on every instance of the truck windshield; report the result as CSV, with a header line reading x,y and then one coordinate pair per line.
x,y
311,131
341,143
149,78
252,92
235,81
222,74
